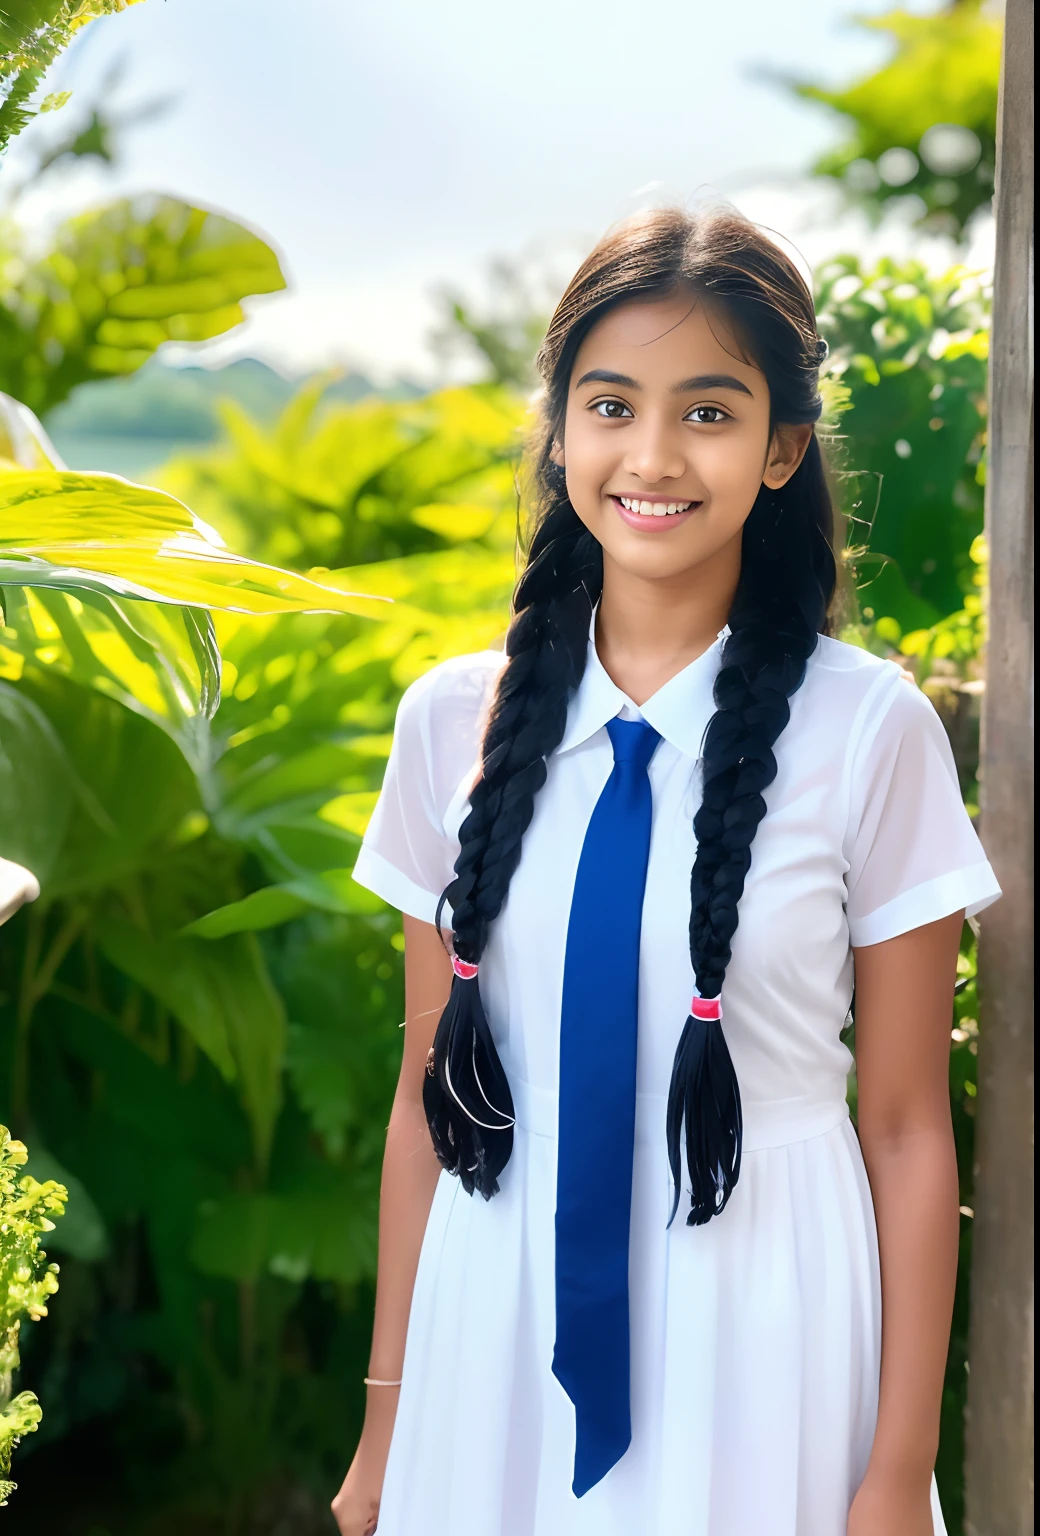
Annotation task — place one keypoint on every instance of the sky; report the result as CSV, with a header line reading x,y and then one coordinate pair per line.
x,y
390,149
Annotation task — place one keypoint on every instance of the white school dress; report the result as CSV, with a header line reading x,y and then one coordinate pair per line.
x,y
755,1339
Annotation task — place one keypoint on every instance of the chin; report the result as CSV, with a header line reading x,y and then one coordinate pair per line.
x,y
655,565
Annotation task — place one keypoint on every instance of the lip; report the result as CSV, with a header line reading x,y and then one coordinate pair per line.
x,y
655,524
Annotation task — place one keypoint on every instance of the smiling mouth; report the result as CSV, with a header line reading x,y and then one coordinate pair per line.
x,y
641,507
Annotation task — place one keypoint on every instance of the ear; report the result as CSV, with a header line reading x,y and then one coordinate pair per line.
x,y
786,452
556,453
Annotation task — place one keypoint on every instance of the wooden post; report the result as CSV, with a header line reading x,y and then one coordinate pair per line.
x,y
999,1472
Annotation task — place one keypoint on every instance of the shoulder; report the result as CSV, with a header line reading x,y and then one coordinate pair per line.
x,y
853,705
441,718
852,690
455,690
837,664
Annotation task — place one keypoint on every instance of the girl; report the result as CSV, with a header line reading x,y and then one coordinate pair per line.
x,y
633,1270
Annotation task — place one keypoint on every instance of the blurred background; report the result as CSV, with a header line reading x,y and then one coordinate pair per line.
x,y
292,265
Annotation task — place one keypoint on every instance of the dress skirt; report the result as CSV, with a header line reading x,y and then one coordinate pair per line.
x,y
755,1347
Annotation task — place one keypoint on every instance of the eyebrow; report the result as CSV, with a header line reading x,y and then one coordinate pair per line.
x,y
684,387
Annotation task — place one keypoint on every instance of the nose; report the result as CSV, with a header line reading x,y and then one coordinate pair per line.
x,y
654,452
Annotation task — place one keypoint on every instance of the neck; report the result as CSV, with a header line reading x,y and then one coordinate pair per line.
x,y
648,629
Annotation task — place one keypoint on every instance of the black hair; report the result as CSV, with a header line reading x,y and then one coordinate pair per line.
x,y
787,581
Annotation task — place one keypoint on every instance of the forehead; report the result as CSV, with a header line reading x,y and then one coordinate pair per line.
x,y
674,335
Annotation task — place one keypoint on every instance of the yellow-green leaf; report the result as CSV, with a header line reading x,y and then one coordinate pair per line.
x,y
105,534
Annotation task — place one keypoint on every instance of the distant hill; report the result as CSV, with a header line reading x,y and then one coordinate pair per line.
x,y
130,425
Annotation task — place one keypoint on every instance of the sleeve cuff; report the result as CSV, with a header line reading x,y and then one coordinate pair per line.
x,y
973,888
376,874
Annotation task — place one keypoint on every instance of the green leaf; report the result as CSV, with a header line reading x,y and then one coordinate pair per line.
x,y
266,908
36,785
335,890
341,485
18,1418
160,661
22,439
21,21
222,994
286,779
149,1107
234,1236
323,1229
55,101
133,787
456,523
103,534
118,282
15,109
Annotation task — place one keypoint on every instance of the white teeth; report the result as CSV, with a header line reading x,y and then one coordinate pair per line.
x,y
653,508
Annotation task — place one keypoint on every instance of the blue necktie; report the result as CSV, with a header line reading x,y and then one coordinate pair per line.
x,y
597,1108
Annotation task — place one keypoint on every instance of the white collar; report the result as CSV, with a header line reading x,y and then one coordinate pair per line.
x,y
679,711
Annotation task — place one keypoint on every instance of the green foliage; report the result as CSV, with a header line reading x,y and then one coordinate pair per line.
x,y
104,535
27,1281
911,349
118,282
925,123
960,637
32,34
338,485
79,553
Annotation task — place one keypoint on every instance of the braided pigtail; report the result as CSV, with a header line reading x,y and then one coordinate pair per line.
x,y
779,610
466,1096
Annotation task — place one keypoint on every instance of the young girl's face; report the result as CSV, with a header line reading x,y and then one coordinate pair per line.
x,y
666,438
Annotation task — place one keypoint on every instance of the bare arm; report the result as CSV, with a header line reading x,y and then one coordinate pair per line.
x,y
410,1172
904,1004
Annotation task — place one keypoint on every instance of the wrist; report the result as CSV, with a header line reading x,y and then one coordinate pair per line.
x,y
378,1425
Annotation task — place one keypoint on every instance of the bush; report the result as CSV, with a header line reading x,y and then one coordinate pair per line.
x,y
27,1281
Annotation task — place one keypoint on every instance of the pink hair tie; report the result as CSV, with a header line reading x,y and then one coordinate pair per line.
x,y
709,1008
463,970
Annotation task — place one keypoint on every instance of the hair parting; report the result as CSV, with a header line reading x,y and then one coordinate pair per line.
x,y
787,581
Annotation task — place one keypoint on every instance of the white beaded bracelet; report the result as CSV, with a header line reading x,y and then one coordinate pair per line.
x,y
374,1381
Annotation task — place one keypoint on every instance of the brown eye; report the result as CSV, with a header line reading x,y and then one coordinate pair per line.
x,y
611,410
707,415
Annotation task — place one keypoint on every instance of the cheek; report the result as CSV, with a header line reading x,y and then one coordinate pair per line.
x,y
590,457
730,469
732,463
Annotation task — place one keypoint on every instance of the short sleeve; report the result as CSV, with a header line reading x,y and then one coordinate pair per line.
x,y
913,854
408,853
